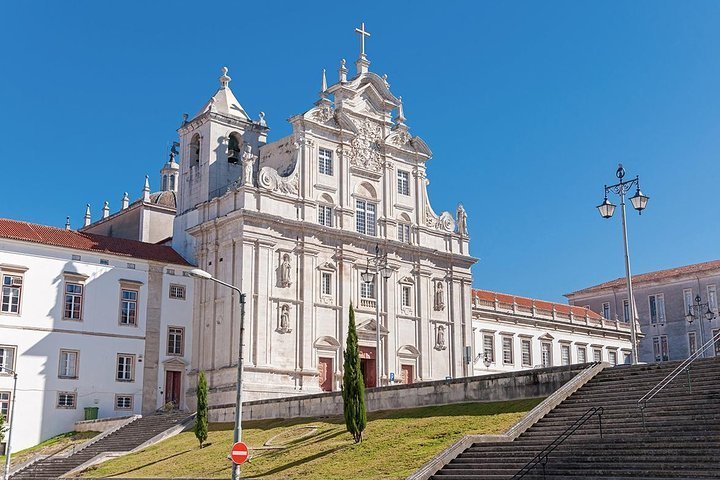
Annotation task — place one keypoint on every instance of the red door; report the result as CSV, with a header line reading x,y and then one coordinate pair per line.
x,y
172,387
325,369
367,366
406,373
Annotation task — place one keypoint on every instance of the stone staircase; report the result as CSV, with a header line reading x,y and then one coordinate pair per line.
x,y
124,439
680,439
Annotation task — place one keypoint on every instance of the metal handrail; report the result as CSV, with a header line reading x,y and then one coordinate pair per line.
x,y
542,457
684,366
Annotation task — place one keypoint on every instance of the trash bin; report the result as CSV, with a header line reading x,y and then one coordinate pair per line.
x,y
91,413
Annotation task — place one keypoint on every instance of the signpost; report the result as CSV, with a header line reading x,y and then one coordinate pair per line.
x,y
239,453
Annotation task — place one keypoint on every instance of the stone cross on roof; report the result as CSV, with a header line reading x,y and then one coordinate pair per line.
x,y
362,63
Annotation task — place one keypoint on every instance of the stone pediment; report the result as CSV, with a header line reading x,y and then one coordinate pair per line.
x,y
368,327
175,362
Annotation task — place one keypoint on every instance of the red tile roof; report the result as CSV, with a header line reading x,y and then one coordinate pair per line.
x,y
653,276
32,232
489,296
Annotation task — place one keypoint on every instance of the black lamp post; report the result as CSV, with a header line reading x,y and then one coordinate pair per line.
x,y
380,267
695,312
606,209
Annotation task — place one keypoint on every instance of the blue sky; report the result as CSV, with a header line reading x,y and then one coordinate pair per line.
x,y
527,106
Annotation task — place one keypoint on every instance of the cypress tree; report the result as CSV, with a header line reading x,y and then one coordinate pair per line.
x,y
201,417
353,390
3,428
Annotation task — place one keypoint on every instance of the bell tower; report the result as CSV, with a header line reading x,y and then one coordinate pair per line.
x,y
211,147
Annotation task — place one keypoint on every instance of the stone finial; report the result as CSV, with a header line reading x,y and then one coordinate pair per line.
x,y
261,120
323,86
87,215
185,118
146,189
385,79
67,223
106,210
342,71
400,118
125,201
224,78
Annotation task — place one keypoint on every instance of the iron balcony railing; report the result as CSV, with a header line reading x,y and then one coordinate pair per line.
x,y
683,367
542,457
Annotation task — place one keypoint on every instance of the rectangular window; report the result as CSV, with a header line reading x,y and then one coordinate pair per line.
x,y
131,266
627,358
712,298
5,405
406,296
123,402
565,354
687,300
367,289
104,262
612,357
77,257
692,342
7,359
404,232
177,292
582,354
606,310
11,291
597,355
507,350
128,307
325,215
176,341
626,311
660,348
326,283
403,182
325,161
657,308
68,365
365,217
125,368
73,301
546,352
526,351
489,347
66,400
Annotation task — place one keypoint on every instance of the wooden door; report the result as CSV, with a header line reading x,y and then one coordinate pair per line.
x,y
367,366
325,369
172,387
406,373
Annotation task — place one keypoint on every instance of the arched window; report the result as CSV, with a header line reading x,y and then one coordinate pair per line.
x,y
164,182
365,209
325,210
195,151
403,232
234,144
172,182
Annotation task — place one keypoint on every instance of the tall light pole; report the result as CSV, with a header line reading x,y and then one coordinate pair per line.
x,y
6,475
695,312
379,263
606,209
237,435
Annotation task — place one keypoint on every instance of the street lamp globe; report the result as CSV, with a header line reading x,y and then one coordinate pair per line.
x,y
606,208
689,316
200,273
639,201
386,272
367,276
709,315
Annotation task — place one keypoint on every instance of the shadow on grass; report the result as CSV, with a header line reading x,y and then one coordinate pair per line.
x,y
135,469
301,461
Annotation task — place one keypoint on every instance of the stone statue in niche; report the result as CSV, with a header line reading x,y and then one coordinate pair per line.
x,y
440,338
439,296
284,323
248,160
462,221
285,271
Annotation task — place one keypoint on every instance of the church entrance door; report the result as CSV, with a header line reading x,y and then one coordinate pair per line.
x,y
406,373
172,387
325,369
367,366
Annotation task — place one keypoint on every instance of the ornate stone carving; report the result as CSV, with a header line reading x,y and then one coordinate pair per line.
x,y
401,138
323,114
248,161
444,222
440,337
284,319
270,179
439,297
462,221
364,151
285,269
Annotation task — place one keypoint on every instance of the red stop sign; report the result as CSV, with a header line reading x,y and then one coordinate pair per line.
x,y
239,453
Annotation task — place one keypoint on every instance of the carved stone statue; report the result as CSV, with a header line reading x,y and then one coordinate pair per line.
x,y
462,221
440,338
439,296
284,324
248,160
285,271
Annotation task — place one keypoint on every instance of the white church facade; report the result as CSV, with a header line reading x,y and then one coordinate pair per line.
x,y
293,224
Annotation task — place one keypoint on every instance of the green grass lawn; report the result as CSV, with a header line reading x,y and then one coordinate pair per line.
x,y
49,446
395,444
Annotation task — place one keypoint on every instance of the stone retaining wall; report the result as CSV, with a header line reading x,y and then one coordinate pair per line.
x,y
497,387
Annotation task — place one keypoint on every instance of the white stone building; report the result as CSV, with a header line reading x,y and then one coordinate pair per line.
x,y
516,333
89,321
293,222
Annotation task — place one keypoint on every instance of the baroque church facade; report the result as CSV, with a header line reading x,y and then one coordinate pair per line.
x,y
293,223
